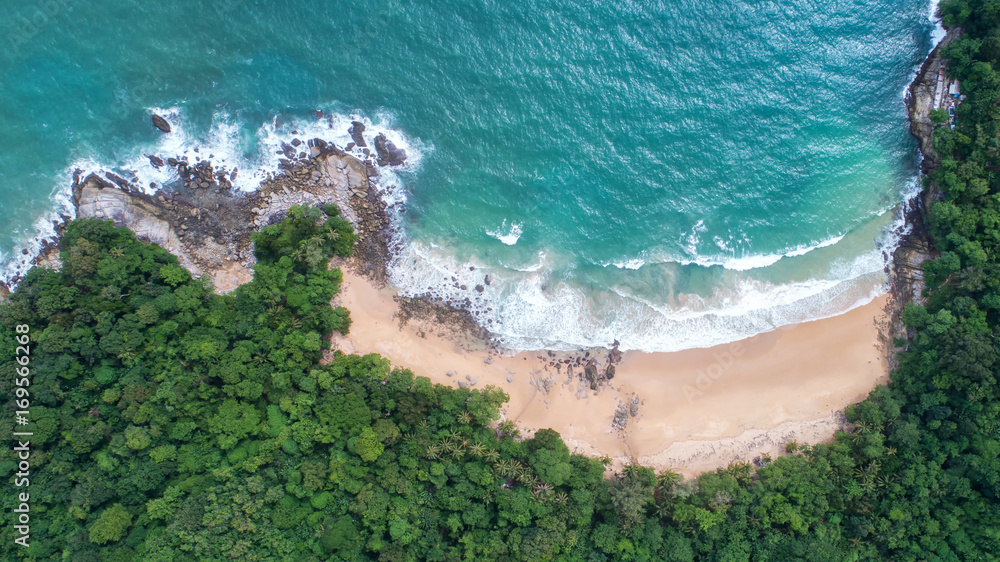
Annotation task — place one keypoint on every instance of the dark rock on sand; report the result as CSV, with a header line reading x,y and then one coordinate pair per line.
x,y
590,371
616,355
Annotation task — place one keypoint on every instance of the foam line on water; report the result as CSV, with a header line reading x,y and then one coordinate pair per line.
x,y
14,265
528,310
743,263
938,33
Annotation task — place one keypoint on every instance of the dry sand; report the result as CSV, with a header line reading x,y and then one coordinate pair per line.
x,y
699,409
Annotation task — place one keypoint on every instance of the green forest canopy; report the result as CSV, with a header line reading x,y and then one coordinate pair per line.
x,y
171,423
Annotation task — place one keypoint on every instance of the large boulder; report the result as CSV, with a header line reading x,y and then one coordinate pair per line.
x,y
357,127
161,123
590,372
387,152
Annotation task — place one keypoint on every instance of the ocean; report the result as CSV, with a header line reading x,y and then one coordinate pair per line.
x,y
668,174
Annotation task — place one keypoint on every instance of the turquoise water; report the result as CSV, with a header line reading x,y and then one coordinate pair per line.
x,y
630,170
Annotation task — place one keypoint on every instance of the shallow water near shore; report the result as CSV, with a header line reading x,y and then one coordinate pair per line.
x,y
669,174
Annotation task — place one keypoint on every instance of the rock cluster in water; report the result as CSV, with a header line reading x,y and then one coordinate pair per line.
x,y
207,224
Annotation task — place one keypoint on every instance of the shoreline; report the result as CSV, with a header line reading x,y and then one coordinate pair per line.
x,y
689,416
680,410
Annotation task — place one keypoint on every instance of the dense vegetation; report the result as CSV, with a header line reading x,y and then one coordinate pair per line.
x,y
171,423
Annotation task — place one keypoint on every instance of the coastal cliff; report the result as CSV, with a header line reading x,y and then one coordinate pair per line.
x,y
921,99
208,226
915,246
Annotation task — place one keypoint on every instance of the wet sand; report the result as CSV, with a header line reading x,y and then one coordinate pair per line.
x,y
699,409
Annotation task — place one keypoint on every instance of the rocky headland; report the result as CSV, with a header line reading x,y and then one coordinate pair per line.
x,y
906,267
207,224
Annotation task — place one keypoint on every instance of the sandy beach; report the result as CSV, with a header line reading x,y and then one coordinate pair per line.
x,y
698,409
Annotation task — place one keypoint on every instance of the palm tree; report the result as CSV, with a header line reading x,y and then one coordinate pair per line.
x,y
477,450
663,509
464,418
882,481
665,482
526,477
864,427
434,452
507,428
542,490
492,455
507,468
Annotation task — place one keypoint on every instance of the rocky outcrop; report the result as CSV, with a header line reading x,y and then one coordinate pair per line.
x,y
356,130
97,198
388,153
906,274
920,100
161,123
208,226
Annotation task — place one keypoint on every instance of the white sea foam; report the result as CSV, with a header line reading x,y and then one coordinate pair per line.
x,y
635,263
533,310
508,236
538,308
14,265
939,32
743,263
255,154
542,260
